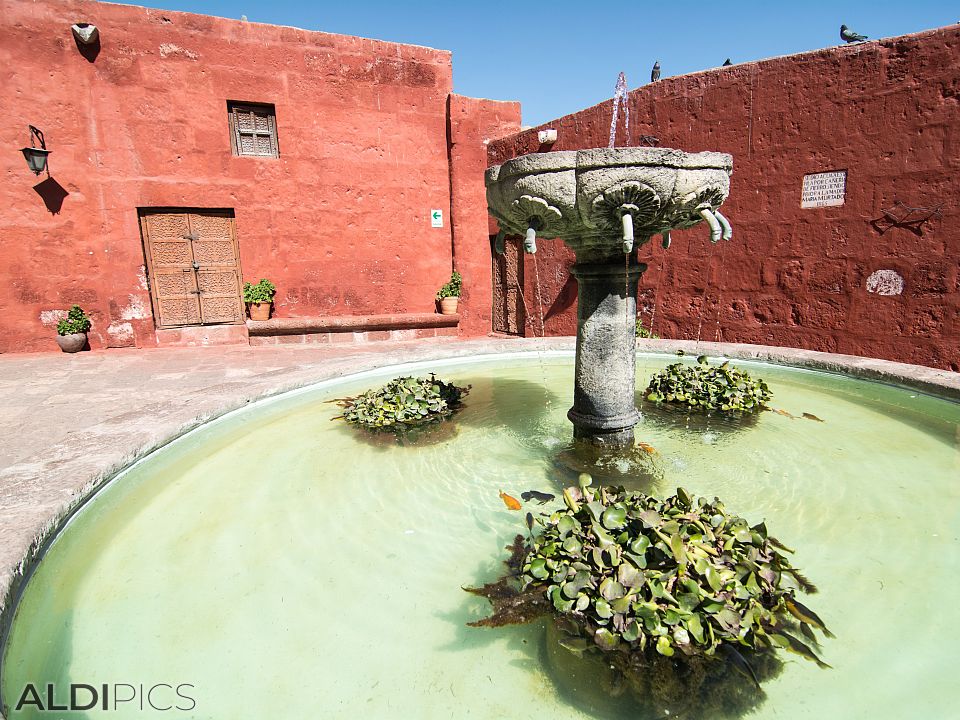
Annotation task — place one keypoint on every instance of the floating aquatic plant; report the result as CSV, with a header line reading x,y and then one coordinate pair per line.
x,y
709,388
404,402
641,580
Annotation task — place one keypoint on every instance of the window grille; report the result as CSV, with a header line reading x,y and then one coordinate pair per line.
x,y
253,130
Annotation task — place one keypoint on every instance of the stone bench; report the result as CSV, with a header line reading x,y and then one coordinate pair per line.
x,y
351,328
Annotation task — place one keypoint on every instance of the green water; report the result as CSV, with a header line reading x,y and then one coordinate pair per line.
x,y
283,568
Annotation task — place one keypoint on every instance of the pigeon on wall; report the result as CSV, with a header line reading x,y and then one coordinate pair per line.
x,y
850,36
655,73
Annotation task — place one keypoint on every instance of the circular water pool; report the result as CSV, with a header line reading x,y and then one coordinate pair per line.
x,y
276,563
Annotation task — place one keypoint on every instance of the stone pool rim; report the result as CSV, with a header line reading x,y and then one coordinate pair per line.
x,y
35,535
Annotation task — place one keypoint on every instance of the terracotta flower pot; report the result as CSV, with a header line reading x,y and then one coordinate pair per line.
x,y
260,311
72,343
448,305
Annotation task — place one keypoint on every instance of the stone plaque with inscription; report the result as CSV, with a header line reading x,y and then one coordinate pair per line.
x,y
823,189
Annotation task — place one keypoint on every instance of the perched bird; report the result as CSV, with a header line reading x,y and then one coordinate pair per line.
x,y
850,36
655,73
727,63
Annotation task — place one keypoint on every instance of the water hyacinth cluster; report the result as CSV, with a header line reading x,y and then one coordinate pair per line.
x,y
404,402
635,573
709,388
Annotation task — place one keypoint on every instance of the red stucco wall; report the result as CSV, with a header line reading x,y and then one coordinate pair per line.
x,y
473,122
887,112
340,221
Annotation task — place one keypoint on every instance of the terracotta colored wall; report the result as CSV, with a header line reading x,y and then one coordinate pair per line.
x,y
888,112
340,221
472,123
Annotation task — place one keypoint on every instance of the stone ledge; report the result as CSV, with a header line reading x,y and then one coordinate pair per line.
x,y
201,335
350,324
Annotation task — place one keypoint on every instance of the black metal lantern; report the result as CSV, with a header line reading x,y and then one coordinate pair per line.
x,y
36,156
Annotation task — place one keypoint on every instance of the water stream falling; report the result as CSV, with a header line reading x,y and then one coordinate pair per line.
x,y
626,287
620,99
706,288
538,348
720,285
543,333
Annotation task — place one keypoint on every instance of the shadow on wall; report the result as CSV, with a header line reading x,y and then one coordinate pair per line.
x,y
53,194
566,298
90,51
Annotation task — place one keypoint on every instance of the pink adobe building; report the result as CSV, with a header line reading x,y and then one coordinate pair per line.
x,y
191,154
250,150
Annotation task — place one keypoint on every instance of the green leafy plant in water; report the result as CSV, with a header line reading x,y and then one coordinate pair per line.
x,y
452,288
642,332
680,574
650,583
404,402
76,321
261,292
709,388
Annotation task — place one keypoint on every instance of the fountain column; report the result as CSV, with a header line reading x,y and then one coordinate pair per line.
x,y
604,203
604,411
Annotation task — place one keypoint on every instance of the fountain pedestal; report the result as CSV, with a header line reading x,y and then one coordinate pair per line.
x,y
604,203
603,409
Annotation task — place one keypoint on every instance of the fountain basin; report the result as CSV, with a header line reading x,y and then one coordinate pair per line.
x,y
581,196
351,614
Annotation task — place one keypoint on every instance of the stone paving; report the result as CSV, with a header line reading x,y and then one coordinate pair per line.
x,y
71,421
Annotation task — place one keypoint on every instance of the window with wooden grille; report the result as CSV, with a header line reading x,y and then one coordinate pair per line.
x,y
253,129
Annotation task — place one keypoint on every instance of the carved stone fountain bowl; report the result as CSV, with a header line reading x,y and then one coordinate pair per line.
x,y
581,196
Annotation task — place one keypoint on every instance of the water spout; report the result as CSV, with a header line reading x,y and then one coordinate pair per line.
x,y
725,224
627,233
530,241
715,230
500,245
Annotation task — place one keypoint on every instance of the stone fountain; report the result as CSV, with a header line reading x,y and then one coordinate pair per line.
x,y
604,203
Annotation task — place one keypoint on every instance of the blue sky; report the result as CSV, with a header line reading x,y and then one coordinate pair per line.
x,y
558,56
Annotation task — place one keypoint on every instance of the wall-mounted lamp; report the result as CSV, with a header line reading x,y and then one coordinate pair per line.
x,y
36,156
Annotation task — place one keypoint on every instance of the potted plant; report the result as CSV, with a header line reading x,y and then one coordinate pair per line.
x,y
259,298
449,294
72,330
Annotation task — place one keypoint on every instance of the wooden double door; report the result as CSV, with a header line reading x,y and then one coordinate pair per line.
x,y
193,266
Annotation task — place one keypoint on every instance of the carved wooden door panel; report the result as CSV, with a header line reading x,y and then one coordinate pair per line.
x,y
218,274
508,309
192,266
